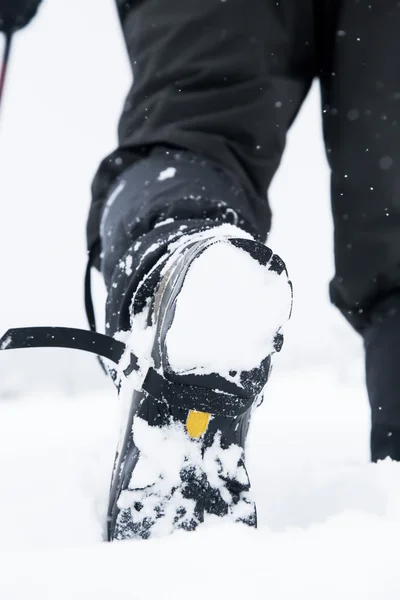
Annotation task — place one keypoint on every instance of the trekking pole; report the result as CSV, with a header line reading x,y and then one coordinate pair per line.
x,y
4,64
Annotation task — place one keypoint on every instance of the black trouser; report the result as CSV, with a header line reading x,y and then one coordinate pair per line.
x,y
224,80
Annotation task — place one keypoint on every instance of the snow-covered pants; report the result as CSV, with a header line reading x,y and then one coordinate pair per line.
x,y
221,82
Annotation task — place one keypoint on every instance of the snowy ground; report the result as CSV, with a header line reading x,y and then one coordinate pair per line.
x,y
329,521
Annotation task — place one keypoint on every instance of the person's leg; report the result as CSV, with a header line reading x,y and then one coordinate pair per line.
x,y
217,85
220,80
360,77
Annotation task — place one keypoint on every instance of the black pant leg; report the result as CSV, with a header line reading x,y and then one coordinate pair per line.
x,y
382,349
360,76
222,80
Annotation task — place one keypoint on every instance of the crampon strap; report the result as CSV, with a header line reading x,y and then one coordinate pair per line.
x,y
154,383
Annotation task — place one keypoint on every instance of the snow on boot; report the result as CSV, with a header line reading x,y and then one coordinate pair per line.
x,y
205,322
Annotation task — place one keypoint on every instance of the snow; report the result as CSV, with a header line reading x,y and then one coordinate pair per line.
x,y
329,522
126,265
164,452
167,174
228,313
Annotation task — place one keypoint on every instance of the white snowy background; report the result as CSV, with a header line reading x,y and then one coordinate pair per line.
x,y
329,521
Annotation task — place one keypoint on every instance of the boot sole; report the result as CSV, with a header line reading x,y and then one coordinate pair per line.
x,y
178,468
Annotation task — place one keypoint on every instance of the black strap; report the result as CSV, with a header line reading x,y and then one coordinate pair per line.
x,y
89,308
63,337
193,397
183,396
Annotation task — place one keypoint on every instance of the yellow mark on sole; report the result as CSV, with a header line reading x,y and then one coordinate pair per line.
x,y
197,423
